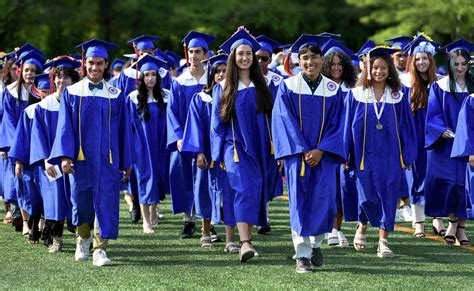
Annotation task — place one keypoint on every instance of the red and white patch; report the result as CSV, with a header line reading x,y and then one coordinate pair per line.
x,y
331,86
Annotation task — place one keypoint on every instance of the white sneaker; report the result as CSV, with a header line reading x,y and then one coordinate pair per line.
x,y
57,245
82,249
100,258
333,239
405,213
398,216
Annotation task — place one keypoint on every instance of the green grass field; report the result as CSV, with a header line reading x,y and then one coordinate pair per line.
x,y
162,260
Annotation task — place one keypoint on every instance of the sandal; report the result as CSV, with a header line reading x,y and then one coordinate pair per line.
x,y
8,218
419,229
383,251
231,248
206,242
360,239
26,230
461,237
333,239
439,229
247,251
343,242
450,236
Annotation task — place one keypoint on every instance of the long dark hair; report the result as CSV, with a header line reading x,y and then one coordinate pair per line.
x,y
393,81
349,76
419,94
19,85
210,78
8,77
71,73
452,72
142,97
264,97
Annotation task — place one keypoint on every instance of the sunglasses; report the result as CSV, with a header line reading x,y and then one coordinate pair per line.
x,y
263,58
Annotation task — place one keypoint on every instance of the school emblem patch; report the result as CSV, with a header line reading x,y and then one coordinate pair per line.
x,y
113,90
395,95
161,71
275,78
331,86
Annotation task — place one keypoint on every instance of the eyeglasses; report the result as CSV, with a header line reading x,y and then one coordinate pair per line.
x,y
263,58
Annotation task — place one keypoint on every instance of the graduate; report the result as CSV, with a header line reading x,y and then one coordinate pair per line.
x,y
116,67
337,66
445,195
380,133
55,194
418,80
16,97
307,126
147,107
196,140
241,134
92,145
27,175
362,54
192,81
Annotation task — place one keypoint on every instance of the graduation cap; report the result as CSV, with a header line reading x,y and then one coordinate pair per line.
x,y
150,63
198,39
330,35
76,57
241,36
422,44
267,43
334,46
31,57
460,44
43,82
400,41
9,56
117,63
365,48
131,56
306,40
26,48
96,48
63,62
216,59
174,58
143,42
355,60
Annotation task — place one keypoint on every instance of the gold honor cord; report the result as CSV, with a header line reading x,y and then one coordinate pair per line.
x,y
362,161
236,156
302,171
80,156
272,149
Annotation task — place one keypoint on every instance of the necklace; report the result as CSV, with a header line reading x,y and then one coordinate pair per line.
x,y
378,113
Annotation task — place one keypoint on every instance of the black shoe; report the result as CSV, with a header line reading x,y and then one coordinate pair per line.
x,y
264,229
303,265
317,257
17,222
188,230
214,236
71,227
135,215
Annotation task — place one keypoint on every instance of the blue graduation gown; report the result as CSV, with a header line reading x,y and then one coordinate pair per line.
x,y
183,89
312,197
56,195
382,181
2,161
94,185
149,144
253,176
12,109
27,185
463,147
445,177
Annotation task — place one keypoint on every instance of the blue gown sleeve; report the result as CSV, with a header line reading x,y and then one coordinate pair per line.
x,y
194,132
435,121
39,140
173,111
9,121
218,127
463,145
287,136
125,135
407,133
20,149
348,139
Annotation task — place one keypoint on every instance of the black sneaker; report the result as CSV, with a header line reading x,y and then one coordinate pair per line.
x,y
214,236
317,257
303,265
17,223
135,215
188,230
264,229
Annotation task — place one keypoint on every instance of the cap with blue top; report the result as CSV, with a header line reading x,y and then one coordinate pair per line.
x,y
32,57
150,63
365,48
96,48
335,46
240,37
400,41
143,42
196,39
267,44
43,82
460,44
117,64
63,62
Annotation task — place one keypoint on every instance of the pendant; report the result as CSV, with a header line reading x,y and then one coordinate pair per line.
x,y
379,126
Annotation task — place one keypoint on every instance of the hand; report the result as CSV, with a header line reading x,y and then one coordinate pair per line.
x,y
280,165
125,178
471,161
345,166
67,166
313,157
18,169
201,161
448,134
4,155
49,169
179,144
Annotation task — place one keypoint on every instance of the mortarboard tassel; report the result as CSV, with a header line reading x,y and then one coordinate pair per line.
x,y
402,163
362,161
80,156
362,164
185,48
211,166
367,65
236,155
110,157
83,68
302,171
286,64
272,148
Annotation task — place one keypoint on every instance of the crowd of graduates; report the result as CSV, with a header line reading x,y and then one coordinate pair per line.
x,y
372,137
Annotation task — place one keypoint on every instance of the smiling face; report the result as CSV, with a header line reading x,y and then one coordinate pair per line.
x,y
95,68
310,63
61,81
196,55
243,57
29,70
461,66
149,77
379,70
336,69
422,62
264,59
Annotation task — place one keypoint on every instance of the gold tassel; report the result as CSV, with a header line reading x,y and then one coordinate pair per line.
x,y
272,148
236,156
302,167
211,166
402,162
80,156
110,156
362,165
